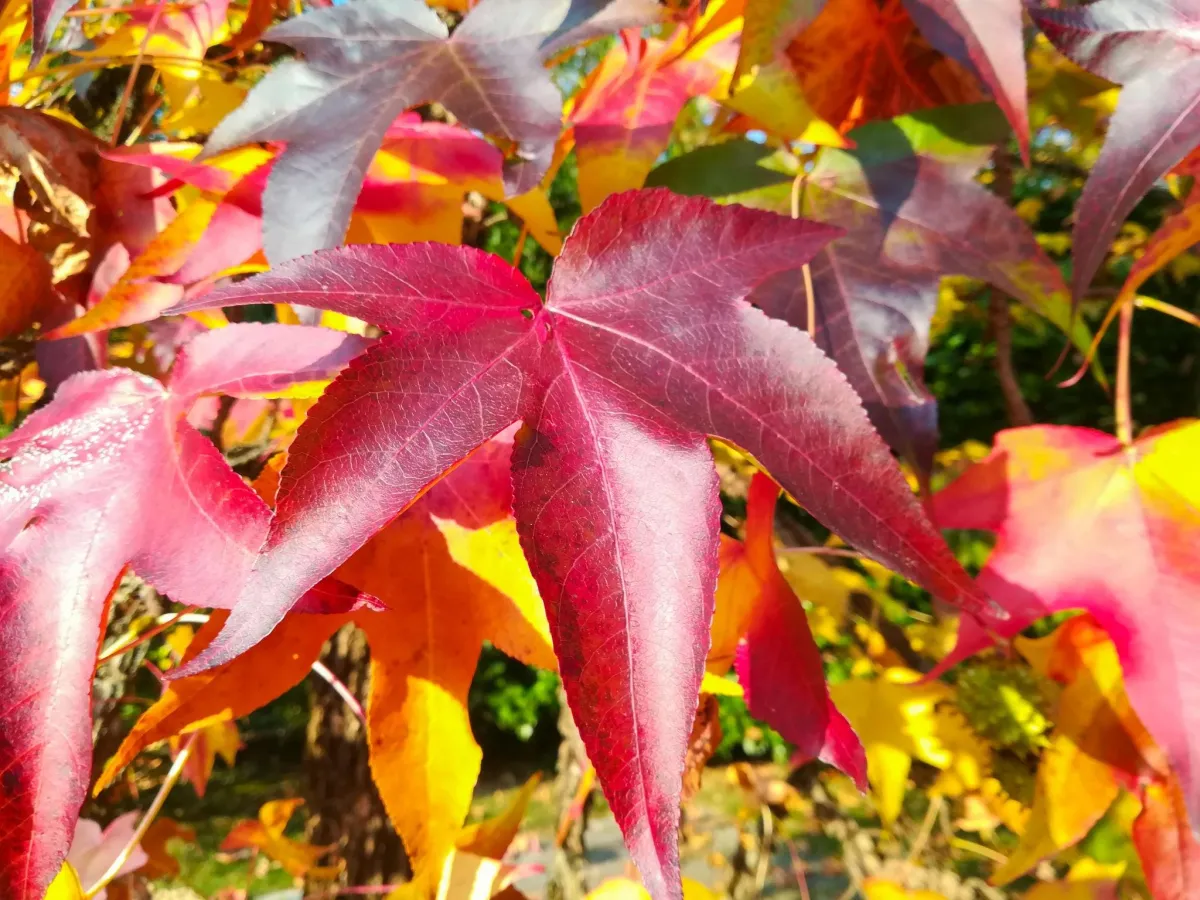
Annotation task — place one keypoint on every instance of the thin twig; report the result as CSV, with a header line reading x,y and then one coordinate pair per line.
x,y
127,94
1000,319
798,869
1123,403
154,107
520,248
978,849
123,645
931,814
340,687
143,826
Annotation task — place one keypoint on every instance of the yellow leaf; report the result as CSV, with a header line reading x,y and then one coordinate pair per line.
x,y
898,722
65,885
882,889
720,686
619,889
824,590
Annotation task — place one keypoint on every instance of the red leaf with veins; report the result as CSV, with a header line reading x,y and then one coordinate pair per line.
x,y
74,513
643,346
1152,49
778,663
366,62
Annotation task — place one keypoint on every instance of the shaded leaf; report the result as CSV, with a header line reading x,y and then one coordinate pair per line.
x,y
986,36
861,59
1150,49
366,62
913,212
26,277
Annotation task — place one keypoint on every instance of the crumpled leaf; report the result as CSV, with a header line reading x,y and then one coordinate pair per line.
x,y
72,513
1059,499
626,560
333,107
266,835
1148,47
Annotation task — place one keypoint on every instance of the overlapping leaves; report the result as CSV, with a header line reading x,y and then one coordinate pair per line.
x,y
615,494
73,515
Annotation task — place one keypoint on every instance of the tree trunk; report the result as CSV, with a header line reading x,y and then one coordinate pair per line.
x,y
344,806
565,881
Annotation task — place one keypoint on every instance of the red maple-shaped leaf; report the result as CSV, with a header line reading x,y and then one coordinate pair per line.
x,y
110,474
1151,48
367,61
1083,522
643,346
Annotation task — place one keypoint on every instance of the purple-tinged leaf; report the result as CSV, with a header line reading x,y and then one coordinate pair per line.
x,y
367,61
913,212
644,346
986,36
1152,49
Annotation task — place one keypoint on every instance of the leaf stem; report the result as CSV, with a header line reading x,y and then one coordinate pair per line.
x,y
121,645
143,826
340,688
810,300
1123,403
1168,309
123,105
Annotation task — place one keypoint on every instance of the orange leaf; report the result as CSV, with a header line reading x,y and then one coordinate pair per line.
x,y
452,574
625,112
863,59
266,834
1098,745
138,295
229,691
161,864
1166,844
491,837
26,277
